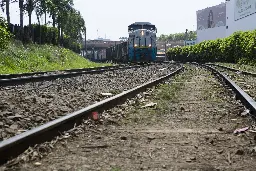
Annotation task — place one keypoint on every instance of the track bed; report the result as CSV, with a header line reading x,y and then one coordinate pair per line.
x,y
246,82
24,107
190,128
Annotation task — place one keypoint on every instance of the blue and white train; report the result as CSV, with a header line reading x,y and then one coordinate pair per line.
x,y
142,42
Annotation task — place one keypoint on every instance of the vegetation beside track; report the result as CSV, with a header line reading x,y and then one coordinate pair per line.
x,y
241,67
160,98
238,48
19,58
4,35
16,57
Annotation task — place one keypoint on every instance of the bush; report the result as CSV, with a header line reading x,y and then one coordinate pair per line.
x,y
237,48
19,58
48,35
41,34
5,36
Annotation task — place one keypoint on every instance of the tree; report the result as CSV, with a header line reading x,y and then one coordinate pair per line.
x,y
75,25
43,6
178,36
21,6
69,22
162,37
6,3
29,6
64,9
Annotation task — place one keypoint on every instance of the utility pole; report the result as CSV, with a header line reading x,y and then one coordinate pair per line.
x,y
85,45
165,50
186,36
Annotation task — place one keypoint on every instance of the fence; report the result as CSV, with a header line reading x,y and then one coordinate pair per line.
x,y
36,33
42,34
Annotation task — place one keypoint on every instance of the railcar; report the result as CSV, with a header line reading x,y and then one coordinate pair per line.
x,y
142,42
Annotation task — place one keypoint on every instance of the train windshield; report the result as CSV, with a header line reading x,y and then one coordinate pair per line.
x,y
137,27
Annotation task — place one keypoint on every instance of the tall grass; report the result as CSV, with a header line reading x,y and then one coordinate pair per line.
x,y
19,58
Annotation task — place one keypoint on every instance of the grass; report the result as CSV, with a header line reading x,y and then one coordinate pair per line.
x,y
19,58
249,68
167,94
164,95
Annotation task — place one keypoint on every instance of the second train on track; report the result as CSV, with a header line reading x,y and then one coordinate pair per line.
x,y
142,42
140,46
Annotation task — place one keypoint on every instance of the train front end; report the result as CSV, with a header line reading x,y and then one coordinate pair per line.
x,y
142,43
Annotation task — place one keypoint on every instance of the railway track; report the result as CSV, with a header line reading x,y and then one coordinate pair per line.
x,y
17,79
11,76
21,106
247,100
17,144
14,146
233,69
246,80
189,129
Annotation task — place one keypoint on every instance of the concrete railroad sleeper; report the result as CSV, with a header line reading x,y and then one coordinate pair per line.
x,y
27,79
233,69
12,147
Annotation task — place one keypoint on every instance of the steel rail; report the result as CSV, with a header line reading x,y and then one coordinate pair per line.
x,y
9,76
12,147
240,94
23,80
233,69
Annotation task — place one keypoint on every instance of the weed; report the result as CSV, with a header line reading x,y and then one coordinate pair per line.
x,y
18,58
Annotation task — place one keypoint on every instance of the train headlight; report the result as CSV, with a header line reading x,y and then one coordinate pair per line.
x,y
149,45
135,45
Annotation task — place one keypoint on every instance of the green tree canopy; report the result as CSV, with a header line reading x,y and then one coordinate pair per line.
x,y
178,36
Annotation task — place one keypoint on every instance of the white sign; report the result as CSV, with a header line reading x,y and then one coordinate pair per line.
x,y
244,8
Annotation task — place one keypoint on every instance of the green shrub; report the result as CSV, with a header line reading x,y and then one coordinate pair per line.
x,y
45,35
237,48
5,36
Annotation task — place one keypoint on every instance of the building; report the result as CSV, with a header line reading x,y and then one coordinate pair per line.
x,y
189,42
211,23
241,16
223,20
96,48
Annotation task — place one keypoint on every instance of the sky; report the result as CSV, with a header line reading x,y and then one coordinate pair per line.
x,y
111,18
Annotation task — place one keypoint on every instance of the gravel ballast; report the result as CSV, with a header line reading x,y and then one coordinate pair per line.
x,y
27,106
246,82
190,127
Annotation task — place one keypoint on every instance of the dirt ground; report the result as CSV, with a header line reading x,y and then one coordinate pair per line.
x,y
188,125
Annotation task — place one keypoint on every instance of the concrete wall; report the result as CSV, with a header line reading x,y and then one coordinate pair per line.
x,y
211,33
240,16
211,23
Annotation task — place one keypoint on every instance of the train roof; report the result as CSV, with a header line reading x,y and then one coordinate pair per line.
x,y
141,23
